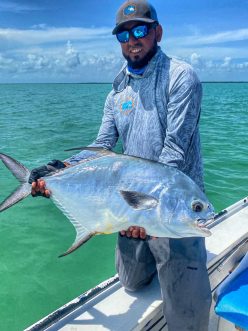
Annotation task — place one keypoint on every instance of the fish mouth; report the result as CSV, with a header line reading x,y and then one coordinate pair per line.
x,y
202,224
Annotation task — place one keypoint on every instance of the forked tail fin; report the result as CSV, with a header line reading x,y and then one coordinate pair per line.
x,y
22,174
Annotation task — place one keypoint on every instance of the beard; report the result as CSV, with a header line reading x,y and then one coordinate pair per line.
x,y
137,62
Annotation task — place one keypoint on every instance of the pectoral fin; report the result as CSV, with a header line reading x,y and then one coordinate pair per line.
x,y
139,200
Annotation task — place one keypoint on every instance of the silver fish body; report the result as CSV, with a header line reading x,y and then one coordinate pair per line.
x,y
109,192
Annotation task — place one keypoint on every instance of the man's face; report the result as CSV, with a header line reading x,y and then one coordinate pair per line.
x,y
138,52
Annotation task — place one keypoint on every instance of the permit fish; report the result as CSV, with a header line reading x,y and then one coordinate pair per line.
x,y
108,192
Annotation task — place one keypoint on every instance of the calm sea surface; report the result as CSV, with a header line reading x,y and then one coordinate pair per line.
x,y
37,123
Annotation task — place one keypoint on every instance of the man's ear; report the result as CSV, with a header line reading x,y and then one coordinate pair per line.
x,y
159,33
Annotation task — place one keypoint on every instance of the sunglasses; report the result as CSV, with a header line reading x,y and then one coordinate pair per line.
x,y
137,32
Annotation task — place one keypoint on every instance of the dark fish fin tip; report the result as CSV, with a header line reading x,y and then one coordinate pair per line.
x,y
77,244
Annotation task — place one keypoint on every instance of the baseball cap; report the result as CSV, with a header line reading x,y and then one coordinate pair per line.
x,y
135,10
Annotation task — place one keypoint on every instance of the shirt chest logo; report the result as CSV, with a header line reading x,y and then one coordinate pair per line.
x,y
127,106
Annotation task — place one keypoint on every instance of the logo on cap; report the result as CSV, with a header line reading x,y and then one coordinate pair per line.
x,y
129,10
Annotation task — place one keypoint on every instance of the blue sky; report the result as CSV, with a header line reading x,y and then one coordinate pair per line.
x,y
71,40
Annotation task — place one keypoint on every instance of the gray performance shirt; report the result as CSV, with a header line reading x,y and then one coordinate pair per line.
x,y
156,115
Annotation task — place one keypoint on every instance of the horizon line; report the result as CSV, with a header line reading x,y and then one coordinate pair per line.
x,y
207,81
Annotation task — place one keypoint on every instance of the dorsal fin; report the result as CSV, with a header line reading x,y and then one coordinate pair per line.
x,y
97,152
100,150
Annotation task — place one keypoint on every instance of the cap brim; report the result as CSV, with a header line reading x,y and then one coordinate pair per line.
x,y
119,26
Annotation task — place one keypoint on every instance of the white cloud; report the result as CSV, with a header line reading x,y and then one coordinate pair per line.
x,y
34,63
64,65
6,64
41,26
14,7
47,35
218,68
195,60
59,53
227,36
243,65
72,54
210,39
227,62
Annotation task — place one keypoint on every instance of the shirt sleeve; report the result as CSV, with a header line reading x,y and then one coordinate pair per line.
x,y
107,135
184,107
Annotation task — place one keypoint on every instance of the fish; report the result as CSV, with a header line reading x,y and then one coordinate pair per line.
x,y
109,192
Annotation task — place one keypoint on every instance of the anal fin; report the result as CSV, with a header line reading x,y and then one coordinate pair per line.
x,y
78,243
82,233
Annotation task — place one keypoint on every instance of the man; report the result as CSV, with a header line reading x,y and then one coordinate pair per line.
x,y
154,108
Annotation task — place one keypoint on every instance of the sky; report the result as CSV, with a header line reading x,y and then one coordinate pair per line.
x,y
70,41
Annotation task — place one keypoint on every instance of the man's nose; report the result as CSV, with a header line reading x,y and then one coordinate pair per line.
x,y
132,40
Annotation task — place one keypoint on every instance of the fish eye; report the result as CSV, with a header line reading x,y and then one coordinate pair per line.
x,y
197,206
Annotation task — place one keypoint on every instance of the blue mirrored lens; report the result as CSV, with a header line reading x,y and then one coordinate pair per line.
x,y
123,36
140,31
137,32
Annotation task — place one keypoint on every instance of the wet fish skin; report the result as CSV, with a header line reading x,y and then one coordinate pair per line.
x,y
110,192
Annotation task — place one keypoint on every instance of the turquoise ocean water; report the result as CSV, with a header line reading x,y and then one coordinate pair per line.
x,y
37,123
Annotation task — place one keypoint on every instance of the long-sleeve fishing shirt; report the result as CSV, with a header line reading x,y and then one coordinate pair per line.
x,y
156,115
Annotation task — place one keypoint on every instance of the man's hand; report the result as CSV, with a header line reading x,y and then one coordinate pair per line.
x,y
39,186
134,232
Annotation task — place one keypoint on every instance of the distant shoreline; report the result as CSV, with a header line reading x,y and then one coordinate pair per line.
x,y
228,82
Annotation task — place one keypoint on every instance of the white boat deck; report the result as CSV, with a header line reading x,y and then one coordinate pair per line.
x,y
117,310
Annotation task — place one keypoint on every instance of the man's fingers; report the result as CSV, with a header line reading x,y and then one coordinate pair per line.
x,y
47,193
128,233
135,233
33,193
39,189
142,233
42,186
34,189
